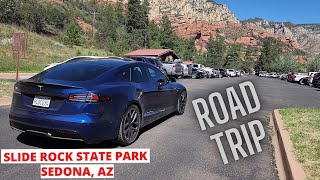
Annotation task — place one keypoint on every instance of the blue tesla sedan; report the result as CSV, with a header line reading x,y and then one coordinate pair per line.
x,y
95,100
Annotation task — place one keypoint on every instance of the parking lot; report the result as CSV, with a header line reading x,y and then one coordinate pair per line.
x,y
179,149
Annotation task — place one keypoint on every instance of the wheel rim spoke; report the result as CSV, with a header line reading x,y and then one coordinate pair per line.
x,y
131,125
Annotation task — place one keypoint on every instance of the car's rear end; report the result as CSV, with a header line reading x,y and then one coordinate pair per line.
x,y
62,103
316,80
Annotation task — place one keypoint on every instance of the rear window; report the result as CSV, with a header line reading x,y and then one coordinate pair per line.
x,y
78,71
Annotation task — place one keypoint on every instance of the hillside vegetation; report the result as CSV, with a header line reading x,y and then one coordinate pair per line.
x,y
41,51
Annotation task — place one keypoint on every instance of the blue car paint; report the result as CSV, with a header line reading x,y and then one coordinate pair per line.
x,y
92,121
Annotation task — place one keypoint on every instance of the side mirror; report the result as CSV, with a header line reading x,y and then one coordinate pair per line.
x,y
172,79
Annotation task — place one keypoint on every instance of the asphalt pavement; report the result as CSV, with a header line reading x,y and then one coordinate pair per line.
x,y
179,148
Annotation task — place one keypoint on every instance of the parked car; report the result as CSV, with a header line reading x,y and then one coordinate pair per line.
x,y
309,80
262,73
232,73
298,77
223,72
196,73
209,72
283,76
316,80
79,58
290,77
174,69
238,73
217,73
156,61
273,75
93,101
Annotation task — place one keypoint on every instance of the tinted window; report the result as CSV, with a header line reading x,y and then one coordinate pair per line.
x,y
78,71
155,74
137,74
125,75
134,74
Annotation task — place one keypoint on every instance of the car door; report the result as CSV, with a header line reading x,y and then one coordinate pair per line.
x,y
166,96
144,92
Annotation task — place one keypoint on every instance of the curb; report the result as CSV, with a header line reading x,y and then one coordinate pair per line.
x,y
4,101
287,165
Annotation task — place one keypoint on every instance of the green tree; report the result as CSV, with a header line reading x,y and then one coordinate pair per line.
x,y
8,11
32,15
56,16
314,64
120,12
107,27
168,36
134,14
270,51
154,35
73,35
284,63
216,52
233,57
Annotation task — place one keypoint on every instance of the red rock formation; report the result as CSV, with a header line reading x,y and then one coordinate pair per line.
x,y
85,26
247,41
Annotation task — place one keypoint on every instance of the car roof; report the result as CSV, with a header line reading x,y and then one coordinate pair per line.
x,y
107,62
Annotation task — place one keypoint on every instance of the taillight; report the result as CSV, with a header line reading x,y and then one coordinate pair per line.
x,y
89,98
174,67
16,89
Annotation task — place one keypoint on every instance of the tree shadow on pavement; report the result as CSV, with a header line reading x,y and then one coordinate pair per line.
x,y
49,143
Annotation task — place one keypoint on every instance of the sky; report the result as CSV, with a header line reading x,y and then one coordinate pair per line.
x,y
297,12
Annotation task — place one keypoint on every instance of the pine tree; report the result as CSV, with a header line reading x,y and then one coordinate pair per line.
x,y
216,52
168,36
107,28
135,14
120,12
233,57
73,35
270,51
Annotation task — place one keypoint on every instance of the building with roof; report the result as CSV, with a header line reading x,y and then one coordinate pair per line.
x,y
164,54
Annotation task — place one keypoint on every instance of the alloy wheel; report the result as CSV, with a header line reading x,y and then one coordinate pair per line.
x,y
182,103
130,126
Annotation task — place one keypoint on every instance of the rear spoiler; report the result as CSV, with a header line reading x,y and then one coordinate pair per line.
x,y
29,81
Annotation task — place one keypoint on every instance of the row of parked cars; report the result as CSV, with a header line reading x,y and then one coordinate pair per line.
x,y
175,68
306,78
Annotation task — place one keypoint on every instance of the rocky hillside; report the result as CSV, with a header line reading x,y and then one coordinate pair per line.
x,y
307,36
202,19
190,11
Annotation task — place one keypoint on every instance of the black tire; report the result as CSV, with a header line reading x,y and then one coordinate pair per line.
x,y
181,104
301,81
194,76
130,126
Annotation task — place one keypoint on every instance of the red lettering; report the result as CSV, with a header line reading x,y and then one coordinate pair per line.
x,y
135,156
6,157
143,156
43,157
126,156
102,172
118,155
44,171
110,171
